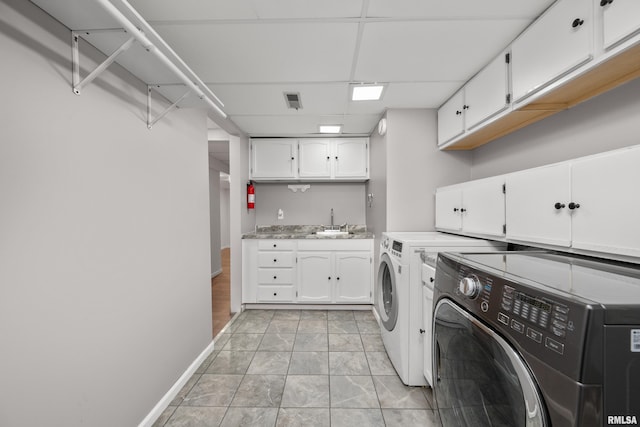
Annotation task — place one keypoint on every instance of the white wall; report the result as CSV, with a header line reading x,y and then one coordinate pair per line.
x,y
242,220
607,122
215,221
312,207
104,237
225,236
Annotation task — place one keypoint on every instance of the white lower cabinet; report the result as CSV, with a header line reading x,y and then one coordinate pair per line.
x,y
307,271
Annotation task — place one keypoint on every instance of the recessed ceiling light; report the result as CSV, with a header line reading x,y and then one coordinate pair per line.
x,y
366,92
330,128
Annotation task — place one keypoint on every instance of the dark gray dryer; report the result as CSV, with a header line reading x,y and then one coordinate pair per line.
x,y
536,339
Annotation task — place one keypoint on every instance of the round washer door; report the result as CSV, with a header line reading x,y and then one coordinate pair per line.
x,y
386,293
480,379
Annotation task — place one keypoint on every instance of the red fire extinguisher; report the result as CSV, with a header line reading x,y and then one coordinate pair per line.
x,y
251,195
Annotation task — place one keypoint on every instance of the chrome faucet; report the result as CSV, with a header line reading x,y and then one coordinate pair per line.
x,y
332,218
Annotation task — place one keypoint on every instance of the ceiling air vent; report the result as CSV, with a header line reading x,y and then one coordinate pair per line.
x,y
293,100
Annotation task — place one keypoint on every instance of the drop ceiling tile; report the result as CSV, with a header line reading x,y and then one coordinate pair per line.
x,y
408,95
284,125
210,10
362,124
449,9
250,99
431,50
284,52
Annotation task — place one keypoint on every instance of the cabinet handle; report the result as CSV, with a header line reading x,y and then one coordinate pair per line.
x,y
431,279
328,157
293,158
603,3
465,107
275,277
422,331
275,294
573,206
274,245
463,210
275,260
559,205
329,278
458,112
336,157
456,209
577,22
337,278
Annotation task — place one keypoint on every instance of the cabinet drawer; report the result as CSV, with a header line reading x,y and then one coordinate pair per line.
x,y
276,276
275,259
276,245
275,293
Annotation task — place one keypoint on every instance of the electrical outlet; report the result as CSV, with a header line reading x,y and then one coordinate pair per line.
x,y
280,214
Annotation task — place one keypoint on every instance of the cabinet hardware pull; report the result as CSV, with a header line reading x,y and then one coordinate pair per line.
x,y
274,245
463,210
336,157
275,260
422,331
577,22
292,158
431,279
573,206
603,3
465,107
337,278
559,205
328,157
275,277
458,112
455,209
329,278
275,294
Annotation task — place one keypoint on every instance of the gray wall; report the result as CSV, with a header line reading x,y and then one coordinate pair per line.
x,y
225,238
104,237
607,122
312,206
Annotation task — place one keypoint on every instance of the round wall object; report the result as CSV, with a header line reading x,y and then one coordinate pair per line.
x,y
382,126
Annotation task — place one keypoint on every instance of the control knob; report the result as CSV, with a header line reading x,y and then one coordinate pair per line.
x,y
470,287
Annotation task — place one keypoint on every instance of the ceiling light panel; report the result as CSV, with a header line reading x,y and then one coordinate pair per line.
x,y
366,92
330,128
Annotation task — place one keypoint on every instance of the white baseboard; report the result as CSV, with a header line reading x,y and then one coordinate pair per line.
x,y
175,389
215,273
269,306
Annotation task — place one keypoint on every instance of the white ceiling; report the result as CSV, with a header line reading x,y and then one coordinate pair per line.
x,y
249,52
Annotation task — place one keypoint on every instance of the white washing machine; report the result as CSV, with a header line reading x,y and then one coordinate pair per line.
x,y
399,295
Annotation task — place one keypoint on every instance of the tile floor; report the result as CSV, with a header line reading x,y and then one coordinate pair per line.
x,y
299,368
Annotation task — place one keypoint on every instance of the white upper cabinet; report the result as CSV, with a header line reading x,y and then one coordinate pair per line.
x,y
621,18
351,158
606,210
554,45
450,119
474,207
274,159
484,96
536,205
310,159
315,158
487,93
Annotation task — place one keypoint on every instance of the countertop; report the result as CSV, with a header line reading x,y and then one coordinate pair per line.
x,y
305,232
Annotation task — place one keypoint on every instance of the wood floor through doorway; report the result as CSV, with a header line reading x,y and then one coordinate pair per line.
x,y
221,294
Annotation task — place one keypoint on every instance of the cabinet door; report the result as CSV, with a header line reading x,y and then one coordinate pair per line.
x,y
315,158
483,204
486,93
531,201
551,47
351,158
353,277
450,118
314,276
620,19
605,187
448,205
274,159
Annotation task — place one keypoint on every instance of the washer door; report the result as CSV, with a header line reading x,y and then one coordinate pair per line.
x,y
386,293
480,380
